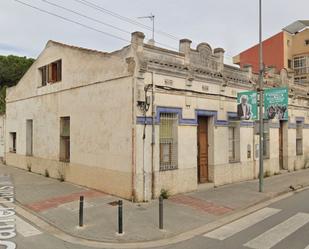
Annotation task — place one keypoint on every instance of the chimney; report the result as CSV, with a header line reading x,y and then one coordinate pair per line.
x,y
185,46
137,40
219,53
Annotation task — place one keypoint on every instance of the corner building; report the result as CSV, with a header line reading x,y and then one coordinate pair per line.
x,y
143,118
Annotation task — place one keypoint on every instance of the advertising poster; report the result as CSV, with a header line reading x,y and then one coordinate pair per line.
x,y
276,103
247,105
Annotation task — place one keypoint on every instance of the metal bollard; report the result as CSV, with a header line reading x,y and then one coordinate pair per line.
x,y
120,221
161,212
81,211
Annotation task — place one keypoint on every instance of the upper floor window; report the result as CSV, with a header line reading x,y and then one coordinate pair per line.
x,y
289,63
51,73
299,62
307,42
300,66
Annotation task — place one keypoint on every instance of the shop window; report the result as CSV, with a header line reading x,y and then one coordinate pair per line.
x,y
299,138
13,142
51,73
168,141
65,139
234,142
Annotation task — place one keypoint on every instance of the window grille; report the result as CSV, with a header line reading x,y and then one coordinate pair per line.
x,y
168,141
299,138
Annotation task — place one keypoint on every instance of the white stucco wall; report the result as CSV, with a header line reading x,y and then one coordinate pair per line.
x,y
96,93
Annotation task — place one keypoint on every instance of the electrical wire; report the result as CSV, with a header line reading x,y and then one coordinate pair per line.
x,y
96,20
85,16
134,22
123,18
72,21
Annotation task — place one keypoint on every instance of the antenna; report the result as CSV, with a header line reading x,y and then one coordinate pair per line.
x,y
152,18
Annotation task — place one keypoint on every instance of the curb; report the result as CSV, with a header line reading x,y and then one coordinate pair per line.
x,y
70,238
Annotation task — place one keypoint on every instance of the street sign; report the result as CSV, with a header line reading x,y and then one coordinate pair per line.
x,y
276,103
247,105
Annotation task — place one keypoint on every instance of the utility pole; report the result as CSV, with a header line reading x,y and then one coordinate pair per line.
x,y
261,117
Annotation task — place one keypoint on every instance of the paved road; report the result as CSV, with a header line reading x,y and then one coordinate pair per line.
x,y
30,237
282,225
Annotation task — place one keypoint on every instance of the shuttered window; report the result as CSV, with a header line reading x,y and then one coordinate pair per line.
x,y
51,73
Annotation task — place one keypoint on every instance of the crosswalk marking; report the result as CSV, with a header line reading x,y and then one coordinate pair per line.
x,y
307,247
25,229
241,224
274,235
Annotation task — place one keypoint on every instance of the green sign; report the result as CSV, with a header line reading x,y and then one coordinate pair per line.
x,y
276,103
247,105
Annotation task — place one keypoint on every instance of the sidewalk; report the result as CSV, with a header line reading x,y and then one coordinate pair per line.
x,y
57,203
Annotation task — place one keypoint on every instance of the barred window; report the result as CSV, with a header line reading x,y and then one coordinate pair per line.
x,y
299,138
266,149
168,141
234,142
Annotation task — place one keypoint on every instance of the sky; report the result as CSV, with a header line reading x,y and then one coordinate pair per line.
x,y
230,24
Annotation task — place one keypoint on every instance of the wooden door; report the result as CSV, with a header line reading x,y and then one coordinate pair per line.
x,y
202,140
281,145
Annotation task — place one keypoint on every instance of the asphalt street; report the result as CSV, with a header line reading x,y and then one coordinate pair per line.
x,y
282,225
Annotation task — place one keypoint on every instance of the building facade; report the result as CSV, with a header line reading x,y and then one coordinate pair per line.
x,y
142,119
288,49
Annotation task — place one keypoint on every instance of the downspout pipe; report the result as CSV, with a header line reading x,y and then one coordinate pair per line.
x,y
153,113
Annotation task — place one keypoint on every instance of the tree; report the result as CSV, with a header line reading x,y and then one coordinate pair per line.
x,y
12,68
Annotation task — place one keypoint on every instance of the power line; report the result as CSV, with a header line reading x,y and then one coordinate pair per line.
x,y
132,21
81,24
98,21
70,20
123,18
85,16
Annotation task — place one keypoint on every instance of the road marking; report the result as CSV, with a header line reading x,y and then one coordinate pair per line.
x,y
307,247
241,224
25,229
274,235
